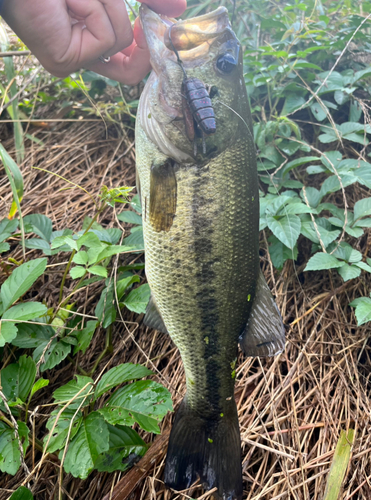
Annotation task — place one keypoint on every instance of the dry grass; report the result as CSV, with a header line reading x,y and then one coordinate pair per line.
x,y
291,408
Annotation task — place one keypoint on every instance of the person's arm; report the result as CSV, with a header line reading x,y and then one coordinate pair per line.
x,y
66,35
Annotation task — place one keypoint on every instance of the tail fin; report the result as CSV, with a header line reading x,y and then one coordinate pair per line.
x,y
210,449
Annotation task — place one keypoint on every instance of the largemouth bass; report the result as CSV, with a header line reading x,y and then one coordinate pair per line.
x,y
200,204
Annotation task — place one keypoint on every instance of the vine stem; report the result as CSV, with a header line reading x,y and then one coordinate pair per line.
x,y
108,348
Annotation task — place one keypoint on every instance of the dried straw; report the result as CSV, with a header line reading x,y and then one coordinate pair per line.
x,y
291,408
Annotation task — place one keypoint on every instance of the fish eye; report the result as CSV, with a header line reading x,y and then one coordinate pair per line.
x,y
226,63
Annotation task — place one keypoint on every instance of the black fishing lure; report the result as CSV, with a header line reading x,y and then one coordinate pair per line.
x,y
197,107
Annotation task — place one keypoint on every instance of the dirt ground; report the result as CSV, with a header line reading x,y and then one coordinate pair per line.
x,y
291,408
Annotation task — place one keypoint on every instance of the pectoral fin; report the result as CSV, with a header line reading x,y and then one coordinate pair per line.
x,y
264,334
163,196
153,318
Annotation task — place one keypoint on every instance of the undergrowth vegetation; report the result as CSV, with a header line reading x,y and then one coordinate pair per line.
x,y
308,77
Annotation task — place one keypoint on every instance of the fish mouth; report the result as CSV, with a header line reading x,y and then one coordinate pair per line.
x,y
190,37
175,48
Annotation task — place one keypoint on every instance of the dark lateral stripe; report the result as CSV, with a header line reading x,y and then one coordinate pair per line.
x,y
207,304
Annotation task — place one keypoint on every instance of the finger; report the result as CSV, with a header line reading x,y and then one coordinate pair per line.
x,y
171,8
107,28
129,66
129,70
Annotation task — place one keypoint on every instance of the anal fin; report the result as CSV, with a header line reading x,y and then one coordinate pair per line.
x,y
153,318
264,334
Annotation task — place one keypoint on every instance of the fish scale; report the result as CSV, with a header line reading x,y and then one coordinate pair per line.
x,y
209,254
201,233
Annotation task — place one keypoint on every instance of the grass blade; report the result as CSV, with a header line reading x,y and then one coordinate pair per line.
x,y
339,465
13,109
16,183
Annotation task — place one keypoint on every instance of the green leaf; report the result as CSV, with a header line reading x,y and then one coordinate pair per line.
x,y
136,205
319,112
358,138
22,493
84,336
91,440
4,247
349,272
135,239
363,309
286,229
106,310
123,443
292,103
30,336
16,176
93,253
332,184
280,253
89,240
275,206
39,384
362,208
98,271
80,258
41,225
10,457
130,217
110,236
364,175
138,299
315,169
17,379
68,391
144,402
88,221
344,252
66,239
113,250
38,244
21,280
355,111
8,227
77,272
296,163
58,437
25,311
327,138
334,81
321,261
8,332
341,97
123,285
56,353
313,196
298,207
363,266
119,375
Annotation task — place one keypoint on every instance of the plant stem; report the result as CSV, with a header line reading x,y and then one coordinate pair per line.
x,y
108,348
4,419
78,367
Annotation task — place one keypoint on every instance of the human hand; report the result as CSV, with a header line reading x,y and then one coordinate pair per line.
x,y
66,35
